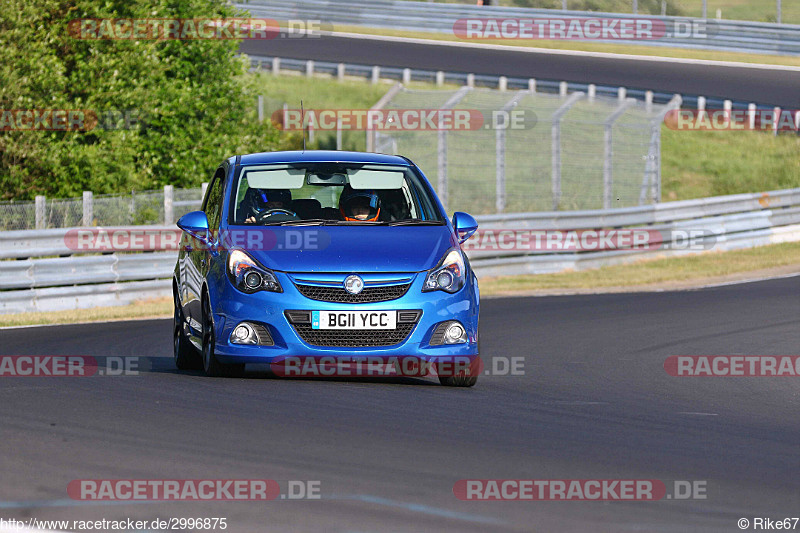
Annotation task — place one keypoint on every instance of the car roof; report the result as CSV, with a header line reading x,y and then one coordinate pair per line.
x,y
321,156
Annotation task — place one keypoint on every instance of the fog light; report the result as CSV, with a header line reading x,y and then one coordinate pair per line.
x,y
244,334
253,280
454,334
450,332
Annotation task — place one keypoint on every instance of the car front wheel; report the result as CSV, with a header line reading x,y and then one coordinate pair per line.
x,y
211,366
186,357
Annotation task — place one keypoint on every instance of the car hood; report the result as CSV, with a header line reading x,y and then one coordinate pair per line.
x,y
350,248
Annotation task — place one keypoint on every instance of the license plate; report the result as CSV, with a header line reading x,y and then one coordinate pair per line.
x,y
354,319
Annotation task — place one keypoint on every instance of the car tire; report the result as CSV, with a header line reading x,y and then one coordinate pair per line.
x,y
211,366
461,380
185,355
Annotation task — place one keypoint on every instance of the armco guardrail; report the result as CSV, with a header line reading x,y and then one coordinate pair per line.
x,y
32,279
731,35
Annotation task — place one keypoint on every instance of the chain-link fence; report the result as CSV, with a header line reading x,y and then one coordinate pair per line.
x,y
137,208
532,151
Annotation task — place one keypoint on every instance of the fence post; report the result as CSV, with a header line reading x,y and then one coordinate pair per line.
x,y
635,7
340,72
701,103
778,14
371,133
652,168
406,76
751,116
608,151
622,94
777,113
376,74
591,92
441,150
502,83
260,108
532,85
555,155
169,214
439,78
563,87
276,65
41,204
470,80
648,101
88,208
309,68
500,152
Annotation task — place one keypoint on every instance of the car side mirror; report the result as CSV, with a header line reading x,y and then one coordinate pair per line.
x,y
195,224
465,225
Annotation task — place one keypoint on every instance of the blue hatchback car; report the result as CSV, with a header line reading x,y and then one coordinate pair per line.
x,y
323,254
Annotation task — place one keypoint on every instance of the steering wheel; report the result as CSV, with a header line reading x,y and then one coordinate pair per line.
x,y
269,212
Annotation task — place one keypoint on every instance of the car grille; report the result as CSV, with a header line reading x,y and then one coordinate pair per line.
x,y
339,295
353,338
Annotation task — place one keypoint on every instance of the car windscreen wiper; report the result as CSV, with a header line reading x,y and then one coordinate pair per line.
x,y
416,222
302,222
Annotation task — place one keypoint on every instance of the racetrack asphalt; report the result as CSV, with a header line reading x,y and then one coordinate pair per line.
x,y
594,403
749,84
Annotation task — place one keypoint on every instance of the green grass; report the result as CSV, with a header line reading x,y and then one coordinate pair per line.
x,y
695,164
158,308
655,272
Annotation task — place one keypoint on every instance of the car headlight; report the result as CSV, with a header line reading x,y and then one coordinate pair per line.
x,y
248,276
448,276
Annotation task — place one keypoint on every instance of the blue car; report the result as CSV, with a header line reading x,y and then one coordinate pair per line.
x,y
324,256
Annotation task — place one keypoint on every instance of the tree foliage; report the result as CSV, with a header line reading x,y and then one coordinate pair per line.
x,y
186,94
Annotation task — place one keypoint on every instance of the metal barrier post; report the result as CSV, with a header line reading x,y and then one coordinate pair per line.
x,y
88,208
41,207
169,214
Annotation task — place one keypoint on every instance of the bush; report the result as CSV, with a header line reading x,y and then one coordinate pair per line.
x,y
193,109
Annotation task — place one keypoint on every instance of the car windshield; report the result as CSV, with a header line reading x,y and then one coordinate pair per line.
x,y
331,193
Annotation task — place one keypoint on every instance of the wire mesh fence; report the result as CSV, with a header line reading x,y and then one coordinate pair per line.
x,y
533,151
137,208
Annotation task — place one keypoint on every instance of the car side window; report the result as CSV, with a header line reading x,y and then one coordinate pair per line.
x,y
213,209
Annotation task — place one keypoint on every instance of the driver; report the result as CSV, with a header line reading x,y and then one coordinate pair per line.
x,y
359,204
259,201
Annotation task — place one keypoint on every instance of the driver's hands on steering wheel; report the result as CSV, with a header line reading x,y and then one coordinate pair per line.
x,y
252,219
